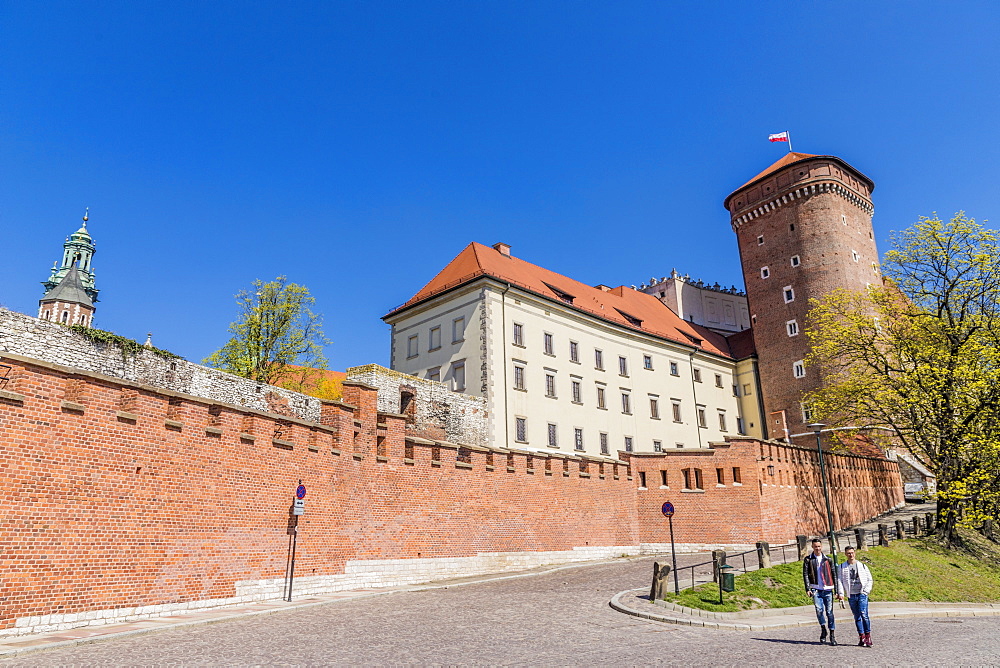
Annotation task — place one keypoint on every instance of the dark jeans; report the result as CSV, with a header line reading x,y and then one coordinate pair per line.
x,y
823,600
859,606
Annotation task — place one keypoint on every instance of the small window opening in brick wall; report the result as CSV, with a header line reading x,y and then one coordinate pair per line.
x,y
436,453
354,441
489,459
663,478
642,478
248,424
584,466
600,468
214,415
530,462
127,400
174,406
74,390
464,455
408,450
408,405
380,447
720,476
737,477
510,461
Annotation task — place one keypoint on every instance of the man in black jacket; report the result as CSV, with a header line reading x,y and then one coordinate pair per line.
x,y
821,584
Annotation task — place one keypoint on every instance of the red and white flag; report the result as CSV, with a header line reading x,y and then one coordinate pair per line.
x,y
781,136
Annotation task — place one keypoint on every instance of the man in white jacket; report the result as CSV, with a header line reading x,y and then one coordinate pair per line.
x,y
856,581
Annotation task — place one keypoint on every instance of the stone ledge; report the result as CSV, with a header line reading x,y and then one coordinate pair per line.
x,y
73,406
173,424
463,465
247,437
279,443
215,431
11,396
358,456
128,417
381,458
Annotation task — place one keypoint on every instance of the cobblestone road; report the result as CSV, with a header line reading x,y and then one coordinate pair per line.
x,y
559,618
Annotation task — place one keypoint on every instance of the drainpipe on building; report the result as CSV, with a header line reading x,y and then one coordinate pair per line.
x,y
760,401
503,338
694,395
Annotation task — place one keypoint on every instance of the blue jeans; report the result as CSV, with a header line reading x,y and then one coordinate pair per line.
x,y
859,606
823,600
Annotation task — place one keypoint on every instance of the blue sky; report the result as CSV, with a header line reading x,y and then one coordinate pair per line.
x,y
356,147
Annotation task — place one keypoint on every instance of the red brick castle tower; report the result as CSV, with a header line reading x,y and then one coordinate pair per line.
x,y
804,228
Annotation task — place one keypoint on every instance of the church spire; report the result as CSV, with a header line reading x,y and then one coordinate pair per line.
x,y
70,292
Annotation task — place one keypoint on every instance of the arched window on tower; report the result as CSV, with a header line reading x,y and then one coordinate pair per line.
x,y
65,317
47,315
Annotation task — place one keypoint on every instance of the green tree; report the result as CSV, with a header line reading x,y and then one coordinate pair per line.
x,y
276,334
918,359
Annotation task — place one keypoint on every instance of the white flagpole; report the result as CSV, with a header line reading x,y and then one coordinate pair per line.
x,y
789,135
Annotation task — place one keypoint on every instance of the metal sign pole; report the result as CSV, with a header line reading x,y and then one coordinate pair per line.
x,y
295,539
673,555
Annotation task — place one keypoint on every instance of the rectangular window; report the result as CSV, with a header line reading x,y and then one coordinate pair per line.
x,y
673,369
696,374
796,261
654,408
578,439
604,443
718,380
764,272
574,351
657,446
547,344
435,341
799,369
647,362
792,327
518,377
746,389
622,366
599,360
760,240
520,430
576,392
807,412
702,420
697,479
663,478
518,334
740,426
736,390
601,400
687,478
457,330
553,436
737,478
722,421
434,374
789,293
458,376
642,479
550,385
855,256
626,403
412,346
628,444
675,409
720,476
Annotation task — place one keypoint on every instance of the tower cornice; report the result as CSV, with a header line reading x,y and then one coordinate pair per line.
x,y
780,168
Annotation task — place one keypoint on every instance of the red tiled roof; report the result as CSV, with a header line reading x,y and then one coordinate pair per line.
x,y
741,344
622,305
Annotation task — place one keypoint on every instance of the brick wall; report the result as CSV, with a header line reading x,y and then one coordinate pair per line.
x,y
770,504
123,500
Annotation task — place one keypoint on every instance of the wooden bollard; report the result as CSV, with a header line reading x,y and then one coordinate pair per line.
x,y
803,546
930,521
661,581
916,526
900,530
859,538
763,555
718,560
883,535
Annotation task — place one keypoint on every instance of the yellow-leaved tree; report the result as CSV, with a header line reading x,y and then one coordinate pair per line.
x,y
918,358
275,336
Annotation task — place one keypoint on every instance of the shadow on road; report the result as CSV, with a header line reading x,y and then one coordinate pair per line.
x,y
788,642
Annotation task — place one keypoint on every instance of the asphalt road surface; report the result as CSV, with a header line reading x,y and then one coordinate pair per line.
x,y
556,618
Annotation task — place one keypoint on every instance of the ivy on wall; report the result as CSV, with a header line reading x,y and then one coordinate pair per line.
x,y
128,347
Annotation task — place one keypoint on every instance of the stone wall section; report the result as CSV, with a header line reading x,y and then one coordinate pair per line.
x,y
434,411
50,342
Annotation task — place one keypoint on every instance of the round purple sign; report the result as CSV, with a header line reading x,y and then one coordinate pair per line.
x,y
300,492
667,509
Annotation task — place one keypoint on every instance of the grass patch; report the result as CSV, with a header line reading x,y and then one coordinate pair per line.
x,y
908,570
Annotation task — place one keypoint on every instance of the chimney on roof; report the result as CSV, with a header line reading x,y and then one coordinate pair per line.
x,y
602,287
502,248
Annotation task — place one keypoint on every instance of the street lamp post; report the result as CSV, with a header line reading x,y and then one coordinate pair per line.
x,y
817,427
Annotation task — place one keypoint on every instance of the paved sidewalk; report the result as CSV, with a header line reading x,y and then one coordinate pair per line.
x,y
636,602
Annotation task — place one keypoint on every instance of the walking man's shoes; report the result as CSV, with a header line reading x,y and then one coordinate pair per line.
x,y
822,636
833,637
